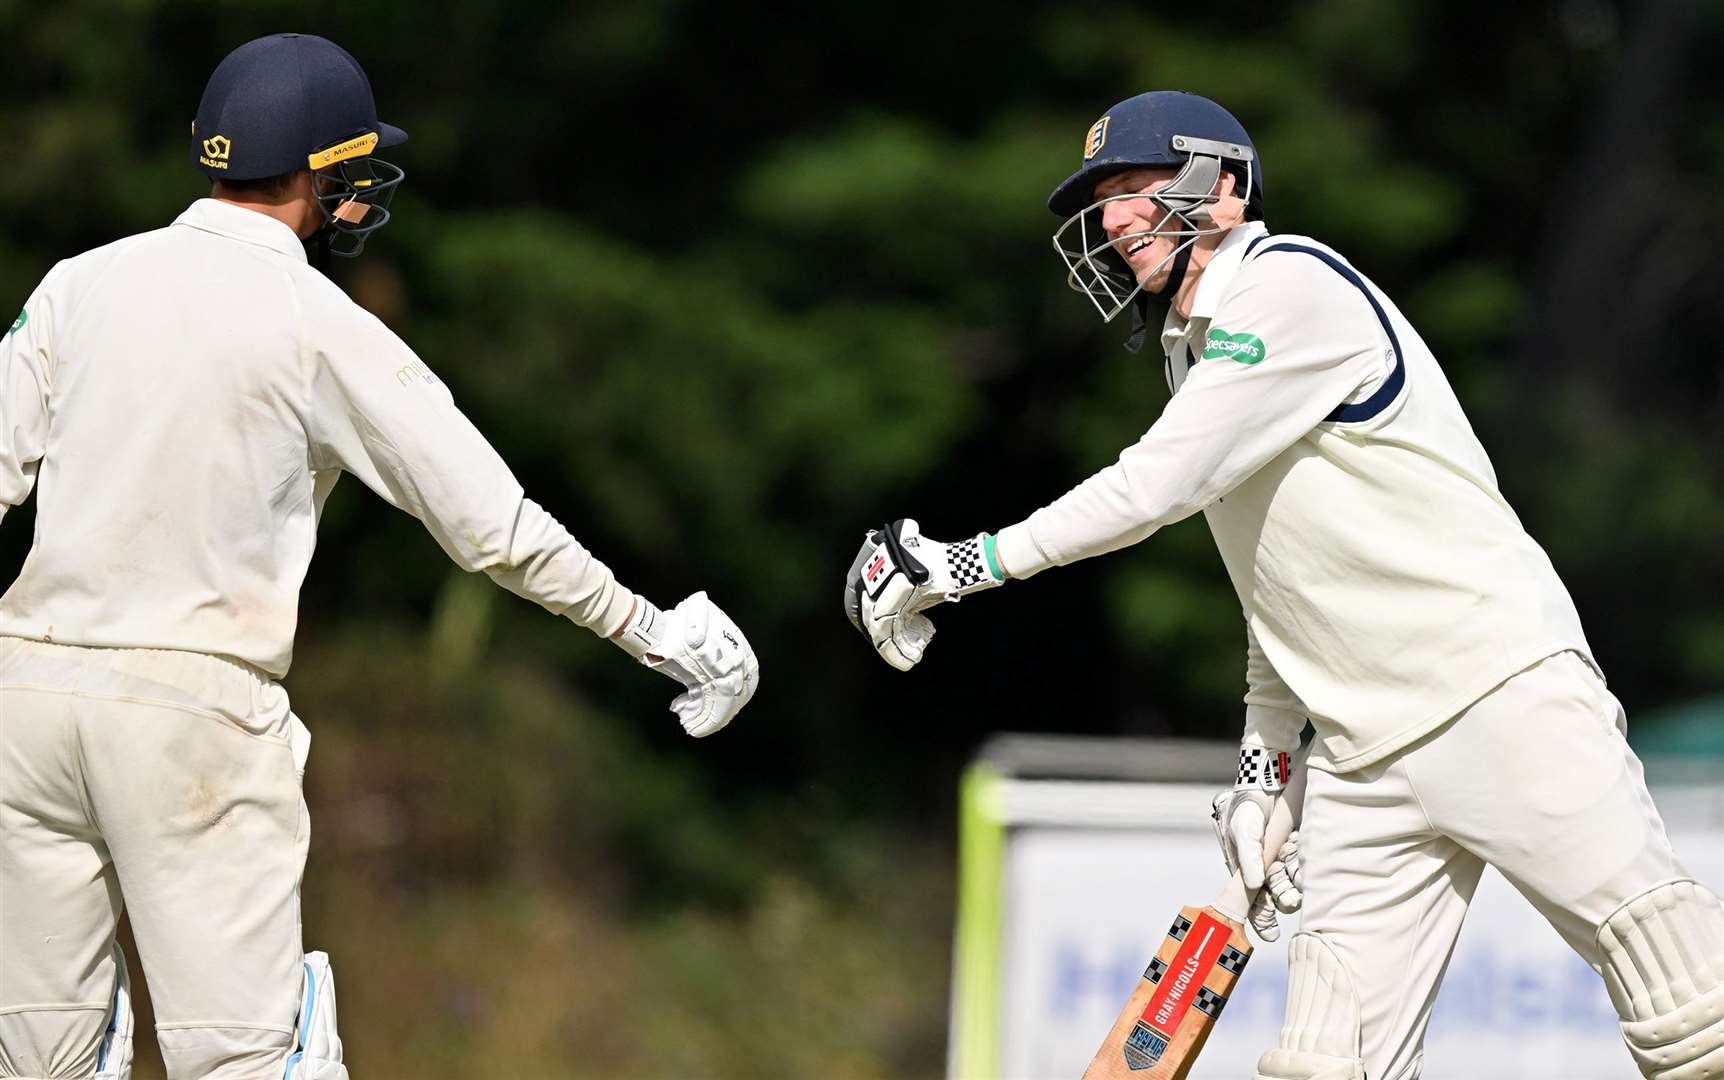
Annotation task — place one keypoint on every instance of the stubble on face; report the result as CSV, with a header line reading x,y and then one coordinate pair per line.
x,y
1126,220
1151,264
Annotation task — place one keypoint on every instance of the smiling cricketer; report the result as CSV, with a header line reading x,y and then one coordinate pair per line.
x,y
1390,597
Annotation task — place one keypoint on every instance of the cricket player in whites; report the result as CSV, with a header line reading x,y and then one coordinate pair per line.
x,y
1390,596
183,401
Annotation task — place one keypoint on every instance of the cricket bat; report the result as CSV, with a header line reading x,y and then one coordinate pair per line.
x,y
1169,1015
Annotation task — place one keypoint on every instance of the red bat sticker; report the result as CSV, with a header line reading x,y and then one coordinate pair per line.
x,y
1184,977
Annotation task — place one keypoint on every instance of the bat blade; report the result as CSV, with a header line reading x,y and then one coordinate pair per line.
x,y
1174,1006
1166,1020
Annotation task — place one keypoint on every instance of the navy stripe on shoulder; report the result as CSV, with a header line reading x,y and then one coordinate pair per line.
x,y
1254,242
1391,388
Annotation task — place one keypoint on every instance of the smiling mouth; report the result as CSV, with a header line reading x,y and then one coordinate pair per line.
x,y
1138,247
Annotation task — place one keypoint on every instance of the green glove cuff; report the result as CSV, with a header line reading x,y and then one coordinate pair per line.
x,y
993,557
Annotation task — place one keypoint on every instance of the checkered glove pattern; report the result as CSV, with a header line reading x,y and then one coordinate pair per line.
x,y
966,567
1241,816
1262,768
899,573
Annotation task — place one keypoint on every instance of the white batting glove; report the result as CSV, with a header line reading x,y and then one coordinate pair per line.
x,y
1280,893
699,646
1241,816
1285,884
900,573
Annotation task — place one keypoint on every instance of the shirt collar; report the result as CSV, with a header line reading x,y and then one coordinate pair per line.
x,y
1217,275
246,226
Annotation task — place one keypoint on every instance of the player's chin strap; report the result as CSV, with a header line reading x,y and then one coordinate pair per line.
x,y
1176,272
1140,303
317,250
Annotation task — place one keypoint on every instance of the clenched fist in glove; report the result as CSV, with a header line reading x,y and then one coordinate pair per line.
x,y
1241,818
900,573
696,644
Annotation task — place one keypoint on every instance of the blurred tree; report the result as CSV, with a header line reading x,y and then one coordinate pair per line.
x,y
729,283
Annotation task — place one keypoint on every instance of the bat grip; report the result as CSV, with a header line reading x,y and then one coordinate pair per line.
x,y
1235,900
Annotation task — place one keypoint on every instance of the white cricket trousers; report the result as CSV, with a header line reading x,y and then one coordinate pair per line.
x,y
164,783
1537,780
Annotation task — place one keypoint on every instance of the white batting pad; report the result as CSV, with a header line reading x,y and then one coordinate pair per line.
x,y
1664,967
1320,1040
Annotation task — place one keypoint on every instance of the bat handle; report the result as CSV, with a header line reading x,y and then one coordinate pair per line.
x,y
1235,900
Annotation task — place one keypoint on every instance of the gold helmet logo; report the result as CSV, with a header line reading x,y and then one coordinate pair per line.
x,y
1096,139
216,151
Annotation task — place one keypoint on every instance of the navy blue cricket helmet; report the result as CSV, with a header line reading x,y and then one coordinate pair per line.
x,y
297,101
1141,132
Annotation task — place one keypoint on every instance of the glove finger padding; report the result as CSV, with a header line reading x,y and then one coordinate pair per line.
x,y
1284,881
1246,828
902,639
1241,819
1237,816
884,583
900,573
1263,918
698,645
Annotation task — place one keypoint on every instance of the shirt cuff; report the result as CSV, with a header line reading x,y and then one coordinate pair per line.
x,y
1274,729
613,614
1021,555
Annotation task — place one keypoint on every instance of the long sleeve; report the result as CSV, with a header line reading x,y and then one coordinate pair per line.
x,y
378,412
25,366
1263,381
1274,715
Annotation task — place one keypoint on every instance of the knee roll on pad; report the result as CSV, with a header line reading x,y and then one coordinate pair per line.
x,y
1320,1040
1664,966
114,1055
316,1046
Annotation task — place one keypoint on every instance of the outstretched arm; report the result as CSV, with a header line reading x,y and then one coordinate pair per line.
x,y
378,412
1284,349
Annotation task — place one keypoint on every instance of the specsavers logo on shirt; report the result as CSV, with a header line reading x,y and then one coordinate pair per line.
x,y
1243,348
18,323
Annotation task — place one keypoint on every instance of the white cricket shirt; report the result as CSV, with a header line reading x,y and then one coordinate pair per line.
x,y
1385,582
184,400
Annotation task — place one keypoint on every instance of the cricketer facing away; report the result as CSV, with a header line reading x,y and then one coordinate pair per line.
x,y
184,401
1390,596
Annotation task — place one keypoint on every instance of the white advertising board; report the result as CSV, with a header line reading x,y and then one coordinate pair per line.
x,y
1089,874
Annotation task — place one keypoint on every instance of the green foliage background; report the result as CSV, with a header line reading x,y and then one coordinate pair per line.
x,y
729,282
